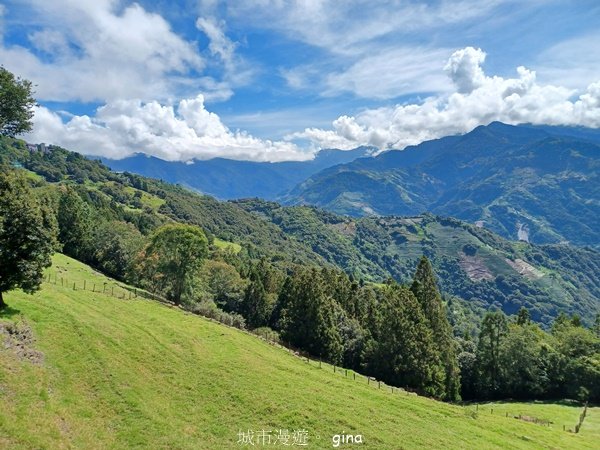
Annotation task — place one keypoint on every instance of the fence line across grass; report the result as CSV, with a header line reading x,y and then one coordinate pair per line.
x,y
112,289
124,292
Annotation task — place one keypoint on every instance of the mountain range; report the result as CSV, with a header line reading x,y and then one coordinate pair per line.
x,y
533,183
228,179
539,184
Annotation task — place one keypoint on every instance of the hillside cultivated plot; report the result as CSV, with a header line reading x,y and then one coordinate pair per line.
x,y
102,372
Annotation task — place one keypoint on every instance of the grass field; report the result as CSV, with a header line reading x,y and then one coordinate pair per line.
x,y
121,373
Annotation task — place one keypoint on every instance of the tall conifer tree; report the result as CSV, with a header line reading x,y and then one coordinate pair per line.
x,y
425,289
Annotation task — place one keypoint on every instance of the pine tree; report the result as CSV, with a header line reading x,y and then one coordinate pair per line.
x,y
256,307
308,318
494,329
425,289
404,354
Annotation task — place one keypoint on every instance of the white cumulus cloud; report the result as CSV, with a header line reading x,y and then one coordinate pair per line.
x,y
104,50
173,133
478,100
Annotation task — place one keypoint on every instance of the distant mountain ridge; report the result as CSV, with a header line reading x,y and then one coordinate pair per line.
x,y
531,182
231,179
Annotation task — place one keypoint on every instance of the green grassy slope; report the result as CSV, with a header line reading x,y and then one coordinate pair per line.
x,y
120,373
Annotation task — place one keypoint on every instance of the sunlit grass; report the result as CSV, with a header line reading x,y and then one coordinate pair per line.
x,y
121,373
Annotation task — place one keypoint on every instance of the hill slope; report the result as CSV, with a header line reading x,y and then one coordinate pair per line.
x,y
471,262
546,278
535,183
135,374
229,179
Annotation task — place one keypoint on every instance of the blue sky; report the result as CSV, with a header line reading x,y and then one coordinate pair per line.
x,y
277,80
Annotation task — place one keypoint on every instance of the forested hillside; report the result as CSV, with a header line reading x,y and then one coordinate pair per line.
x,y
472,263
476,269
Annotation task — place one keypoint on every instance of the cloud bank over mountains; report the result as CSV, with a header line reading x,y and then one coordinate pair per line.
x,y
183,132
189,131
478,100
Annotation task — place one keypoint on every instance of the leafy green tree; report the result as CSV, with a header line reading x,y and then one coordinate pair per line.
x,y
116,244
467,362
521,358
171,262
494,329
561,321
224,284
27,236
425,289
16,104
579,366
76,226
523,317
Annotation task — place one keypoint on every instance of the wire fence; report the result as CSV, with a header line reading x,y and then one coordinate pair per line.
x,y
110,288
125,292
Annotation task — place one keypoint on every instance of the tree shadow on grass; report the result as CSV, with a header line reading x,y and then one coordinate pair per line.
x,y
7,312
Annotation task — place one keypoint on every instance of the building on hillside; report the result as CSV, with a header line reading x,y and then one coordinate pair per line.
x,y
39,148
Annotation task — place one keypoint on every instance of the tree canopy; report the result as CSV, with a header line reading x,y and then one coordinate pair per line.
x,y
27,236
16,104
173,258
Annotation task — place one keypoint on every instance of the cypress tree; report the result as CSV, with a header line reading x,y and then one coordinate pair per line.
x,y
404,354
308,317
256,308
494,329
425,289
